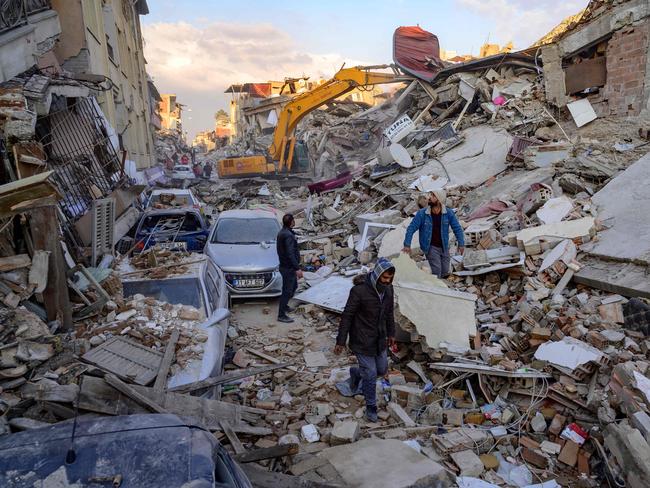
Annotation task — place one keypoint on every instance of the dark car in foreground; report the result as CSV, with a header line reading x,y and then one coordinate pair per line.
x,y
130,451
177,229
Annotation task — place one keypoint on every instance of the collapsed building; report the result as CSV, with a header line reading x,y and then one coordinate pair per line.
x,y
526,367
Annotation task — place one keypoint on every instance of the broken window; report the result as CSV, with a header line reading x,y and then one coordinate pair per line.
x,y
81,149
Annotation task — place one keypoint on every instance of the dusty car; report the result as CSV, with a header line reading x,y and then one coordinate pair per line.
x,y
177,229
142,450
202,286
182,172
172,197
242,244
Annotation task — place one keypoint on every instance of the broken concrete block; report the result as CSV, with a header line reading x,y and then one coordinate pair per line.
x,y
398,413
529,240
632,453
385,463
538,422
310,433
315,359
331,214
641,421
344,432
550,447
468,463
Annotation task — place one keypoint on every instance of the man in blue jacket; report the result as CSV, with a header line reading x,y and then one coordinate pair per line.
x,y
433,223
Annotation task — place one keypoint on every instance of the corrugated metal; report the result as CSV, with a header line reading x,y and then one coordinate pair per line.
x,y
126,359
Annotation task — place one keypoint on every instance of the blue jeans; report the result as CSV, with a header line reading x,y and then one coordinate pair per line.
x,y
439,261
370,368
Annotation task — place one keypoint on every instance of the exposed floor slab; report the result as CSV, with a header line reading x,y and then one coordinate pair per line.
x,y
623,207
481,156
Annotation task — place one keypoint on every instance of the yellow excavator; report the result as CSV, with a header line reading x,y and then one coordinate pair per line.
x,y
286,155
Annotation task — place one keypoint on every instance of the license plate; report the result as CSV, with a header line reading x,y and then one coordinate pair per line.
x,y
173,245
249,283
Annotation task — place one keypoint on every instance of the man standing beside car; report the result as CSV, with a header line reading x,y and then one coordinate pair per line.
x,y
289,257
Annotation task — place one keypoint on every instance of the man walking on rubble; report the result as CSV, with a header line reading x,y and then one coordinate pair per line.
x,y
289,257
433,223
368,320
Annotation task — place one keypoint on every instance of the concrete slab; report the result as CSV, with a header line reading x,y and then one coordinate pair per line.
x,y
481,156
628,279
331,294
623,205
511,187
438,313
393,242
530,239
385,463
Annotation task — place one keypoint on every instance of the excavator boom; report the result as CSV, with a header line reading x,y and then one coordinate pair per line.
x,y
283,146
344,81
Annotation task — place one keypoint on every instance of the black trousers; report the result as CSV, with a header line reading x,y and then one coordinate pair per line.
x,y
289,287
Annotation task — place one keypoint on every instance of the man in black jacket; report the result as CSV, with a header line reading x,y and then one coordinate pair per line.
x,y
289,256
369,321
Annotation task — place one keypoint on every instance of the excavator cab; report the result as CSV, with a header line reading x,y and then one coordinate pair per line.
x,y
301,162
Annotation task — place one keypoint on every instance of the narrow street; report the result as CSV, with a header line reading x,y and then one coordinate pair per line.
x,y
464,215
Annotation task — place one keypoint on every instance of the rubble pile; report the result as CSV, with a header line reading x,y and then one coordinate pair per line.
x,y
169,146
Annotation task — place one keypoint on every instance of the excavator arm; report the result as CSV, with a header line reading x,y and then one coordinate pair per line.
x,y
344,81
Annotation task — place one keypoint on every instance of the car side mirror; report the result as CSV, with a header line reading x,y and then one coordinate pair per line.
x,y
219,315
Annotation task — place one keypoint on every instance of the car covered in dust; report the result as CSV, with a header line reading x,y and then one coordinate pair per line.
x,y
242,244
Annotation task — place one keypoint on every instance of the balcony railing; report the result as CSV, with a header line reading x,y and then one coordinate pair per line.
x,y
14,13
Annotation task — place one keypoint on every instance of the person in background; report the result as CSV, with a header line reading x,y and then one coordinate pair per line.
x,y
433,224
369,322
289,257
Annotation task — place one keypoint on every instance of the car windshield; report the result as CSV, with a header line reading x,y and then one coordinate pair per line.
x,y
178,291
168,224
245,231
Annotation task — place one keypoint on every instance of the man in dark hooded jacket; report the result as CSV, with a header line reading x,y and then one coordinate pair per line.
x,y
369,322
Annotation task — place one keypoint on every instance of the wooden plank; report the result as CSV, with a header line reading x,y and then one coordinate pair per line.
x,y
227,377
45,235
232,437
122,387
34,188
50,392
166,363
11,263
270,359
267,453
98,396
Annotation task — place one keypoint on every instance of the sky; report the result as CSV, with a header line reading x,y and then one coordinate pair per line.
x,y
197,48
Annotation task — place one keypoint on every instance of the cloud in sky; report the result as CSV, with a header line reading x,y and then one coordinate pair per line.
x,y
198,62
521,21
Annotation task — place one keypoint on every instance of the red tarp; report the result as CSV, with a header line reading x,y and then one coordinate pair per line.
x,y
417,52
258,90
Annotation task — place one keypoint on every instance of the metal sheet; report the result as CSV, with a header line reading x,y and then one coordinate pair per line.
x,y
331,294
126,359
